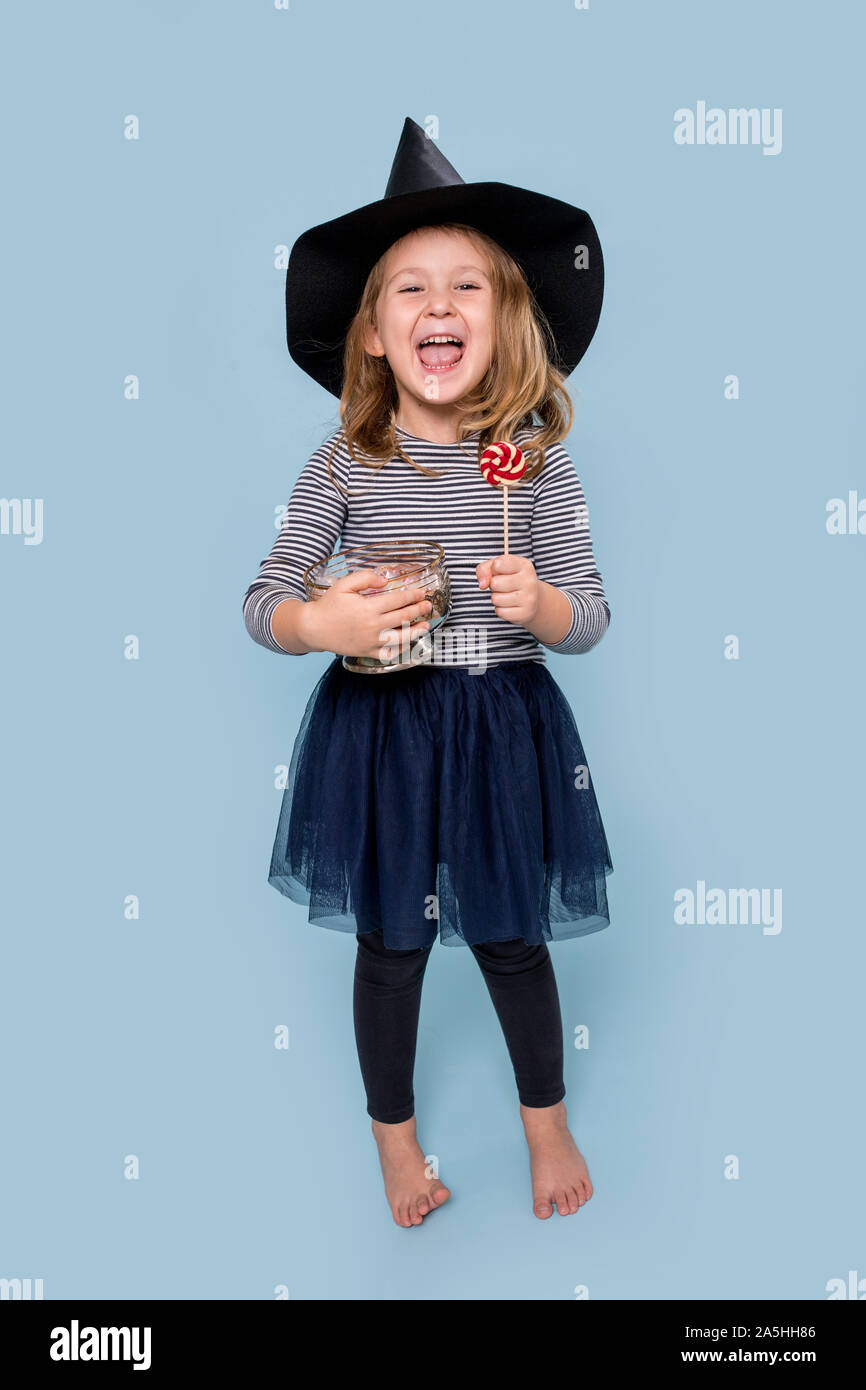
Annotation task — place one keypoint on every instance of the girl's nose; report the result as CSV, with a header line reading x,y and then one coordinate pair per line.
x,y
440,300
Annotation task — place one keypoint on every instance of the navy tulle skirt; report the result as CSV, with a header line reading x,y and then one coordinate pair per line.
x,y
441,801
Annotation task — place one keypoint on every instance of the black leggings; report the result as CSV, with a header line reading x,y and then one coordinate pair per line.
x,y
387,1002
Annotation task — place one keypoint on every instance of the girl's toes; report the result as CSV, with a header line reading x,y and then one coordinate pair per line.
x,y
440,1193
423,1205
414,1218
542,1207
562,1203
573,1200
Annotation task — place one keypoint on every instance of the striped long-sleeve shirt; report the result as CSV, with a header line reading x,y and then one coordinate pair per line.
x,y
548,523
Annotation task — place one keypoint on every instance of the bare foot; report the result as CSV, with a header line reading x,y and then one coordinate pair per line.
x,y
410,1192
559,1173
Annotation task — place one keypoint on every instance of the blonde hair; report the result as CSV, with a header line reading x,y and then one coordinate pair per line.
x,y
520,383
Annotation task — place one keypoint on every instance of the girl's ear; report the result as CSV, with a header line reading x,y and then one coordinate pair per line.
x,y
372,342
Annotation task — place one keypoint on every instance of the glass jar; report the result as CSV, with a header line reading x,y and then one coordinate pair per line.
x,y
405,565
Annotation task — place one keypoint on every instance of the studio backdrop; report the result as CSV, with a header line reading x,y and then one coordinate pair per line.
x,y
184,1115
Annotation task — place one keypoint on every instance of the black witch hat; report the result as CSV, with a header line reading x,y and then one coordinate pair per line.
x,y
555,245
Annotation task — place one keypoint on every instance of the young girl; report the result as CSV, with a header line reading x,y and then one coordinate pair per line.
x,y
452,797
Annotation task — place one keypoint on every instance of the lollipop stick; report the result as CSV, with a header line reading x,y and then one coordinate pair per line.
x,y
505,500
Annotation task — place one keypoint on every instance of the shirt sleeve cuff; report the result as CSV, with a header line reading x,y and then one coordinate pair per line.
x,y
258,614
590,617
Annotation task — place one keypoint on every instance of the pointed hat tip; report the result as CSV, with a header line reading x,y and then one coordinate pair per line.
x,y
419,164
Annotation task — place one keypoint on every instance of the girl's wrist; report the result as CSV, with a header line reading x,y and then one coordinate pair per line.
x,y
552,614
291,628
307,627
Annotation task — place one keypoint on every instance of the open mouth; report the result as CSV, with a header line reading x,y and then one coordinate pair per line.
x,y
440,352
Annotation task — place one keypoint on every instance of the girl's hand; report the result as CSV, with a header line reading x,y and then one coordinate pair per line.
x,y
352,624
514,587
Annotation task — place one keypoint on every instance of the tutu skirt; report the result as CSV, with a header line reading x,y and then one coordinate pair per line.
x,y
441,801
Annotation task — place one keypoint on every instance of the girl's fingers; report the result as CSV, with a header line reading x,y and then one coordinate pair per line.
x,y
415,613
394,639
505,581
406,604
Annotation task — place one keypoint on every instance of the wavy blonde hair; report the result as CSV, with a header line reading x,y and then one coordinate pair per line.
x,y
520,383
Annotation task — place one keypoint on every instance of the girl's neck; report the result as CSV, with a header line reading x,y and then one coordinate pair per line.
x,y
435,426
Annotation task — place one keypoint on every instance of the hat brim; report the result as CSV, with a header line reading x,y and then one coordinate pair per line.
x,y
329,265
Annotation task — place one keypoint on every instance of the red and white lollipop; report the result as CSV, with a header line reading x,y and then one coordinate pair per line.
x,y
502,465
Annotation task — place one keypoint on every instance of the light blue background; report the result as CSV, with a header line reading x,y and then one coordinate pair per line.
x,y
156,777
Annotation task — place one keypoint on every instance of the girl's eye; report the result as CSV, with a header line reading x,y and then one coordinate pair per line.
x,y
467,284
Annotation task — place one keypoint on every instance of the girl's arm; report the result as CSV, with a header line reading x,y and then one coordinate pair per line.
x,y
275,610
563,557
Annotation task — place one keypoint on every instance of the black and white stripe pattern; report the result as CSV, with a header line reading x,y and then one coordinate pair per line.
x,y
548,523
